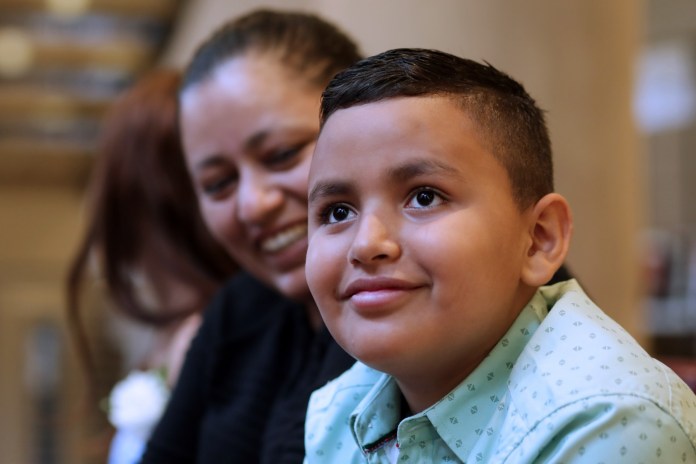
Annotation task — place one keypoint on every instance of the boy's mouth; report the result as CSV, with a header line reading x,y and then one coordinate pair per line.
x,y
375,285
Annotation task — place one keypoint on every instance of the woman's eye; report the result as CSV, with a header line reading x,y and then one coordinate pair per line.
x,y
287,156
337,213
216,187
284,155
424,198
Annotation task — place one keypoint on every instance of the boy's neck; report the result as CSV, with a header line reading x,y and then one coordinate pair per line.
x,y
425,386
425,389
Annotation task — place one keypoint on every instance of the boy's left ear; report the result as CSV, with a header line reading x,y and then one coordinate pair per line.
x,y
550,232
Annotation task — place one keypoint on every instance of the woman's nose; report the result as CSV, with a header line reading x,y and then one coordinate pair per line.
x,y
258,200
374,241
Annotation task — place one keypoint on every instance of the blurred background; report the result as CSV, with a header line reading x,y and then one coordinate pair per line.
x,y
618,81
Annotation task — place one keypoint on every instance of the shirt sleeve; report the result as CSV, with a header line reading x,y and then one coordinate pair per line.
x,y
618,429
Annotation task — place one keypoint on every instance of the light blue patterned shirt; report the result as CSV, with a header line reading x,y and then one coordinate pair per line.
x,y
566,386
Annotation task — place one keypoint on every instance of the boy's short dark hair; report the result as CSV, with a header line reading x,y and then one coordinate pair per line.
x,y
511,124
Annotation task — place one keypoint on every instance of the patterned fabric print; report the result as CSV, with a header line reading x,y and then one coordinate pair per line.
x,y
598,396
470,416
569,386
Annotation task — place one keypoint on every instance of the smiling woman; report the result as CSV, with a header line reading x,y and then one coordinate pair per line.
x,y
249,104
252,182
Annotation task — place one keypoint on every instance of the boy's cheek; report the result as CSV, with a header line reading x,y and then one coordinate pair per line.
x,y
324,268
317,268
311,263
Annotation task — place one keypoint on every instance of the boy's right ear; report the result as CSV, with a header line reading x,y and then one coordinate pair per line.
x,y
550,231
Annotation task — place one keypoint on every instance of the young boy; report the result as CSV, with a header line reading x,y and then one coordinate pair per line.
x,y
433,224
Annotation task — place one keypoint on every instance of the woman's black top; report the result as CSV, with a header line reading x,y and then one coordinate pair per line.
x,y
243,390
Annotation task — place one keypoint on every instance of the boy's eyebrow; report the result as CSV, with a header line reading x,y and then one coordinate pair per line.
x,y
398,174
330,188
417,168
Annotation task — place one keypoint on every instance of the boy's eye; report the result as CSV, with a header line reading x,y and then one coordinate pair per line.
x,y
424,198
337,213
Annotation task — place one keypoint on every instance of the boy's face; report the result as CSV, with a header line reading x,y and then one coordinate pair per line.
x,y
416,244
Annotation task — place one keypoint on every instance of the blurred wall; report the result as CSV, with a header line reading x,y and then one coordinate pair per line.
x,y
575,57
39,228
61,63
666,104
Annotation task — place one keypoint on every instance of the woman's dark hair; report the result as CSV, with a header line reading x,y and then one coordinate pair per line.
x,y
143,215
307,44
511,123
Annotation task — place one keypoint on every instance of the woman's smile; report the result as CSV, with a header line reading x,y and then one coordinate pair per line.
x,y
284,238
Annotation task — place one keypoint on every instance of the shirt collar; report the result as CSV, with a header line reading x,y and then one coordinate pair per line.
x,y
375,419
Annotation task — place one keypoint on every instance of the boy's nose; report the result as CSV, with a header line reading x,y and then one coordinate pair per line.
x,y
374,242
257,201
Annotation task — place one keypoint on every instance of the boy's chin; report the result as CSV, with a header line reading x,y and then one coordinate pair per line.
x,y
381,358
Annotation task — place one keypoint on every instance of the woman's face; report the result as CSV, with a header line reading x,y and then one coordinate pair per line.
x,y
248,132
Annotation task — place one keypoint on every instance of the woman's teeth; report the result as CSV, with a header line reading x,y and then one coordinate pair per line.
x,y
285,238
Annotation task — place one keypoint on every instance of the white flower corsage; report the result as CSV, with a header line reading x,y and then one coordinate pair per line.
x,y
137,402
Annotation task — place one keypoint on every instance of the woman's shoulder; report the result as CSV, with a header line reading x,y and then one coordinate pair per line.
x,y
244,293
246,304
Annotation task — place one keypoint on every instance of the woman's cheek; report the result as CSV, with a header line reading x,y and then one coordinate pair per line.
x,y
301,175
216,220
